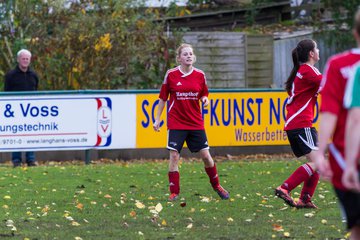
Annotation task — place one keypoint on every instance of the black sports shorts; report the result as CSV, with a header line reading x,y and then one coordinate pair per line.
x,y
196,140
350,203
303,140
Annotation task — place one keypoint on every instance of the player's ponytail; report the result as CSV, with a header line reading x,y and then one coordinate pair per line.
x,y
300,55
293,72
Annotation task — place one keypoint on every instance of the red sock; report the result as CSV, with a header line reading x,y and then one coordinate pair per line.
x,y
300,175
174,182
310,185
213,176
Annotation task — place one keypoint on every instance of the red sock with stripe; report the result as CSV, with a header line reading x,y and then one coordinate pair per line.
x,y
174,182
310,185
301,174
213,176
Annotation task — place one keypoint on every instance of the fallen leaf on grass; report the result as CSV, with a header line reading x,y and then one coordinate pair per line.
x,y
205,199
139,204
309,215
132,214
163,222
277,228
45,209
158,207
189,226
76,224
286,234
78,238
7,197
230,219
9,223
107,196
324,221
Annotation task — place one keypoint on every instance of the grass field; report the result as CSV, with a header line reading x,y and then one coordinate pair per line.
x,y
129,201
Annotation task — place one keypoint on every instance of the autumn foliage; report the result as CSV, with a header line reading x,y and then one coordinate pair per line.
x,y
87,44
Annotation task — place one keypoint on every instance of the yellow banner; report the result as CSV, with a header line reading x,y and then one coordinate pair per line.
x,y
231,119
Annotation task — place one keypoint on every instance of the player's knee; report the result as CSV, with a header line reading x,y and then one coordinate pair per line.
x,y
174,156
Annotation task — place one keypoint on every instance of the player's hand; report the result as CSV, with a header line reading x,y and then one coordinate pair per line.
x,y
350,178
323,166
156,125
205,101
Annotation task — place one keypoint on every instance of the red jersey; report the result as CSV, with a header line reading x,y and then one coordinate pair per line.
x,y
185,90
302,98
338,70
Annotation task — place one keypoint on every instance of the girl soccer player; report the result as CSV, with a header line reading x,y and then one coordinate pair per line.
x,y
186,86
303,87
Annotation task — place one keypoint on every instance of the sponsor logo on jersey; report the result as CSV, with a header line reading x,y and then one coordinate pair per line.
x,y
187,95
178,84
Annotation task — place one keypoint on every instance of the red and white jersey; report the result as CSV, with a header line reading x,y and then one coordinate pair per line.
x,y
185,90
302,98
338,70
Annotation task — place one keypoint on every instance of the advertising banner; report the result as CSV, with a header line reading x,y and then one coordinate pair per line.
x,y
231,119
66,122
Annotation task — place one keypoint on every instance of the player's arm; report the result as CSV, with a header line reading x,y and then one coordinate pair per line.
x,y
163,96
205,100
352,136
352,139
326,128
331,104
159,111
205,93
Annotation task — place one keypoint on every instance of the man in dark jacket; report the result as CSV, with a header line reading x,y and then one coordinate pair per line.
x,y
22,78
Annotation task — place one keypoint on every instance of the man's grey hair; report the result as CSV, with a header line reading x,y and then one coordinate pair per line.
x,y
23,51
